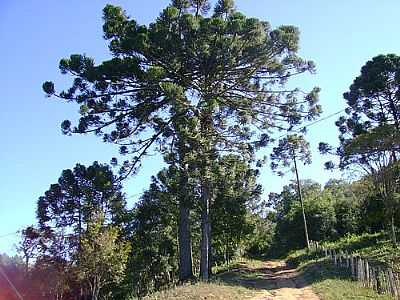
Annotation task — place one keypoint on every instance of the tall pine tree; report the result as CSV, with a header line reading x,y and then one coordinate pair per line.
x,y
208,82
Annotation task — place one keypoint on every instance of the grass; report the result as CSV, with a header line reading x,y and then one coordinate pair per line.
x,y
202,291
376,247
329,282
244,278
229,283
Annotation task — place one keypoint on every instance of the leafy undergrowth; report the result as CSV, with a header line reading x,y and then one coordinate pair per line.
x,y
329,282
229,283
376,247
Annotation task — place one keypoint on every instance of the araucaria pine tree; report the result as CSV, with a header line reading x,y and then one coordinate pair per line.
x,y
195,81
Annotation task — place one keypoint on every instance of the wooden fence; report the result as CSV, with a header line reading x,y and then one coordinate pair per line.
x,y
371,274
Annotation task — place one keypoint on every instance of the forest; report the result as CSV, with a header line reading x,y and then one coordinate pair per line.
x,y
208,89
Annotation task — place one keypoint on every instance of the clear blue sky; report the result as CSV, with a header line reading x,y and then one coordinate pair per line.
x,y
340,36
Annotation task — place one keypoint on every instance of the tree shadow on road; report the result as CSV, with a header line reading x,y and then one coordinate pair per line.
x,y
276,275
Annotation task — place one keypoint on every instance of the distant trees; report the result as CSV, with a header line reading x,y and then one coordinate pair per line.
x,y
337,209
290,150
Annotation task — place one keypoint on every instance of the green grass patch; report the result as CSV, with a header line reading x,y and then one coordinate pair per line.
x,y
329,282
376,247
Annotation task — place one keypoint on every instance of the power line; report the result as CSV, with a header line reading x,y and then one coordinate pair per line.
x,y
325,118
9,234
313,123
134,195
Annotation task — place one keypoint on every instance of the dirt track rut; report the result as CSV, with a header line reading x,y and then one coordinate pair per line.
x,y
281,282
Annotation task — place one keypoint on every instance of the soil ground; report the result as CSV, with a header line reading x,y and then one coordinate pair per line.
x,y
277,281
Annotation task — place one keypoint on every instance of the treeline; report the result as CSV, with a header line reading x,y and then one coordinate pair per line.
x,y
335,210
88,245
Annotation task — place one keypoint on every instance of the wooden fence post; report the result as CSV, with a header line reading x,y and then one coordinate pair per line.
x,y
393,286
353,273
373,277
379,287
359,270
380,278
334,257
367,273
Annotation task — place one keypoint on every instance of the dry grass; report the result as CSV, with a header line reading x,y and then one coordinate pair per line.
x,y
202,291
229,284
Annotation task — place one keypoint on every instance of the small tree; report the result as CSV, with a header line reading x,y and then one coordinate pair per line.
x,y
290,149
154,261
103,257
29,245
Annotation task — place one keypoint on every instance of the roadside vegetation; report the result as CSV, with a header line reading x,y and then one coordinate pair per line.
x,y
328,281
376,247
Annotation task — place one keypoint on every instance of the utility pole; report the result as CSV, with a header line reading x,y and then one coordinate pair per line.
x,y
301,199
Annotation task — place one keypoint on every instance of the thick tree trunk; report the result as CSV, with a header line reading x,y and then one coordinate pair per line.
x,y
206,197
185,247
210,256
205,232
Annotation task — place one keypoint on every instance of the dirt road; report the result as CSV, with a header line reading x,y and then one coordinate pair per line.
x,y
277,281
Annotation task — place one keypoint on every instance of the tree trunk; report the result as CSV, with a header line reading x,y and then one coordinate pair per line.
x,y
205,232
210,256
185,247
393,229
26,262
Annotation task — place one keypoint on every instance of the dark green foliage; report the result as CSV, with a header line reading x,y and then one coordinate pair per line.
x,y
224,8
334,211
369,133
237,193
259,242
348,200
69,204
58,254
154,261
231,66
374,214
